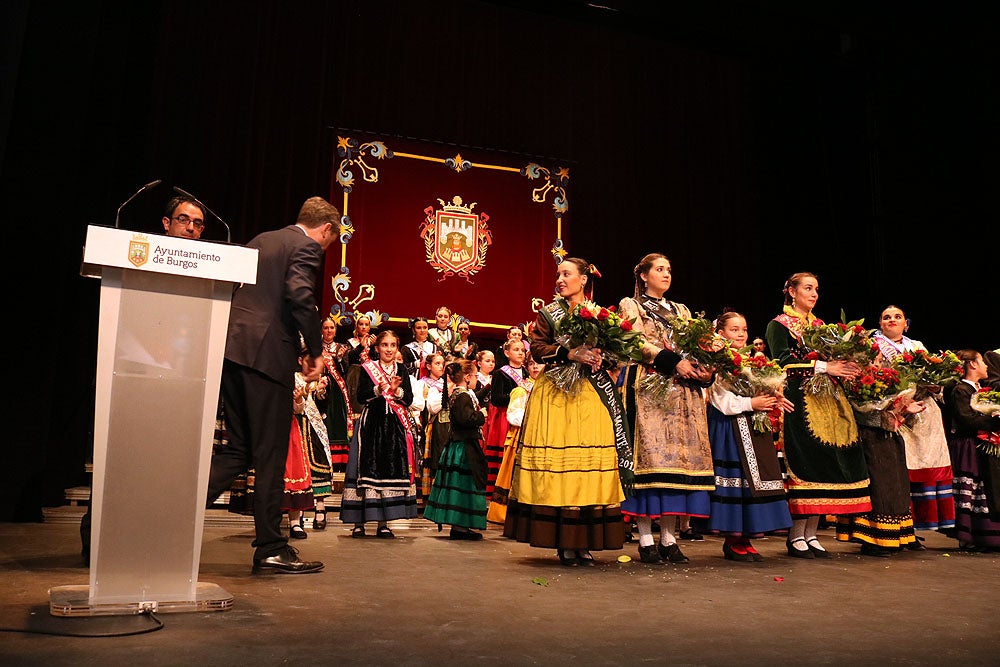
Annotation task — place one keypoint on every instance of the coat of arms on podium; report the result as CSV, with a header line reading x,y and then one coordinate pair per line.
x,y
138,250
455,238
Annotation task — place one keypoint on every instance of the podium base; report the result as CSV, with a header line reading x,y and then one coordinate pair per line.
x,y
75,601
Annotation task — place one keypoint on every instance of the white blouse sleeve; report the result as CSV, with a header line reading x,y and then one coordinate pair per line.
x,y
418,396
515,409
433,401
726,401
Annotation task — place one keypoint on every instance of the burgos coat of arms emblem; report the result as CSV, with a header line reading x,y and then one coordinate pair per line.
x,y
138,250
455,238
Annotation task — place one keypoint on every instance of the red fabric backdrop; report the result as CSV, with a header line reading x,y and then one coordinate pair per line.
x,y
385,202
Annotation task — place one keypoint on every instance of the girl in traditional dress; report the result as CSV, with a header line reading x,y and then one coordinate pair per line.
x,y
566,489
485,364
435,433
673,457
379,484
505,380
974,442
360,343
338,417
496,512
457,497
927,459
309,402
749,497
826,467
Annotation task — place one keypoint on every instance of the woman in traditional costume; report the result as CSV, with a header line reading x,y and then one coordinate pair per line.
x,y
673,457
457,498
379,484
825,464
566,490
749,496
974,442
441,334
463,347
926,444
415,352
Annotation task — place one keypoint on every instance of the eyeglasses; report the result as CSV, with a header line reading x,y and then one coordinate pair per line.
x,y
185,221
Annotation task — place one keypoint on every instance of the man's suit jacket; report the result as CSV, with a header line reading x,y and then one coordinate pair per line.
x,y
266,317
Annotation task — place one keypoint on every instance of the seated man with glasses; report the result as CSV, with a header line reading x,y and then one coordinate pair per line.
x,y
184,217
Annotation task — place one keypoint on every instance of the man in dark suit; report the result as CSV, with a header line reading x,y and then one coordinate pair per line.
x,y
258,372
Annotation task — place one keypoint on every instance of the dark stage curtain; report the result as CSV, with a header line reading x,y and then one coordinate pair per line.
x,y
743,142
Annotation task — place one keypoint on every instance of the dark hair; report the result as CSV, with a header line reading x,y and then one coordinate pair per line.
x,y
507,343
458,369
793,282
429,359
587,269
414,320
644,265
386,334
316,212
183,199
967,357
720,321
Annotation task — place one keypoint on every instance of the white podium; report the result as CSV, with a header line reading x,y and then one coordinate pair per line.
x,y
164,312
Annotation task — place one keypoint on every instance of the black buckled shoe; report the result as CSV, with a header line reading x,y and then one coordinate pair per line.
x,y
297,531
319,520
798,553
817,550
650,554
568,559
672,553
729,554
874,550
470,535
286,562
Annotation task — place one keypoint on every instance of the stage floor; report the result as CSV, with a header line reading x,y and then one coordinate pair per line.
x,y
425,600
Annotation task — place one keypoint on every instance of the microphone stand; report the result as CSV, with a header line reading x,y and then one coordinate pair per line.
x,y
214,215
137,193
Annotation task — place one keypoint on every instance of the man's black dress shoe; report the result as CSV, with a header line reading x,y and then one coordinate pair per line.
x,y
286,562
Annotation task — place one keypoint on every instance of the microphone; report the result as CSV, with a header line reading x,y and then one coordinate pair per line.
x,y
137,193
214,215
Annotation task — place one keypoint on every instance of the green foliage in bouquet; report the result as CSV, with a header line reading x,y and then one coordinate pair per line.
x,y
600,327
940,370
695,338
